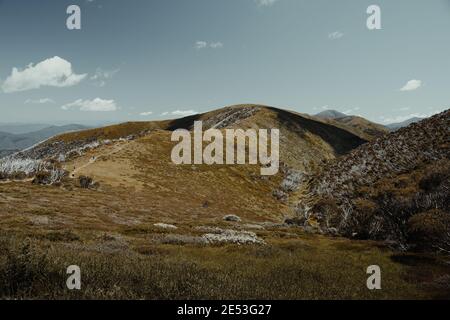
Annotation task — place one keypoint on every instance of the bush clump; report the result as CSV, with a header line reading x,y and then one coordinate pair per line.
x,y
326,210
430,229
431,181
66,236
87,183
42,177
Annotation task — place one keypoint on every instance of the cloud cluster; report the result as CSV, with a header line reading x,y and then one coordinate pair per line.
x,y
335,35
397,119
204,45
265,3
101,76
39,101
92,105
53,72
146,114
351,111
180,113
412,85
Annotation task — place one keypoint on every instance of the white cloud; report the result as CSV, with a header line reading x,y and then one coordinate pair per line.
x,y
335,35
180,113
216,45
147,113
403,109
200,45
184,113
351,111
412,85
53,72
101,76
92,105
396,119
204,45
322,108
39,101
265,3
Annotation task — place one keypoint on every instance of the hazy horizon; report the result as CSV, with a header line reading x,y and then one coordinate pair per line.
x,y
96,123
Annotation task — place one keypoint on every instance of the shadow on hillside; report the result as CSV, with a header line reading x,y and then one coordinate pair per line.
x,y
183,123
340,140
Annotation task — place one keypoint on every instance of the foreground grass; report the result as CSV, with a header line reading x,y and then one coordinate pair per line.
x,y
310,267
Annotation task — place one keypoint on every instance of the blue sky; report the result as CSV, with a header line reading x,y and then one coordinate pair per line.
x,y
156,59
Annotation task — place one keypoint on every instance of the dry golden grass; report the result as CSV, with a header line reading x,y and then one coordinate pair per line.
x,y
111,132
112,237
299,267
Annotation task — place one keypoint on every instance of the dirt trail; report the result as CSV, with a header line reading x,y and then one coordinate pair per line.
x,y
93,159
11,181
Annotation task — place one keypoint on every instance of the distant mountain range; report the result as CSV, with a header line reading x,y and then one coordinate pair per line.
x,y
330,114
361,127
350,120
21,128
399,125
13,142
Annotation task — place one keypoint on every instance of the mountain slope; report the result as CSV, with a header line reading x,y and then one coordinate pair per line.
x,y
304,142
135,157
363,127
377,189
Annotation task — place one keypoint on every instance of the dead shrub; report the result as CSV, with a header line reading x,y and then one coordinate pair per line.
x,y
326,210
